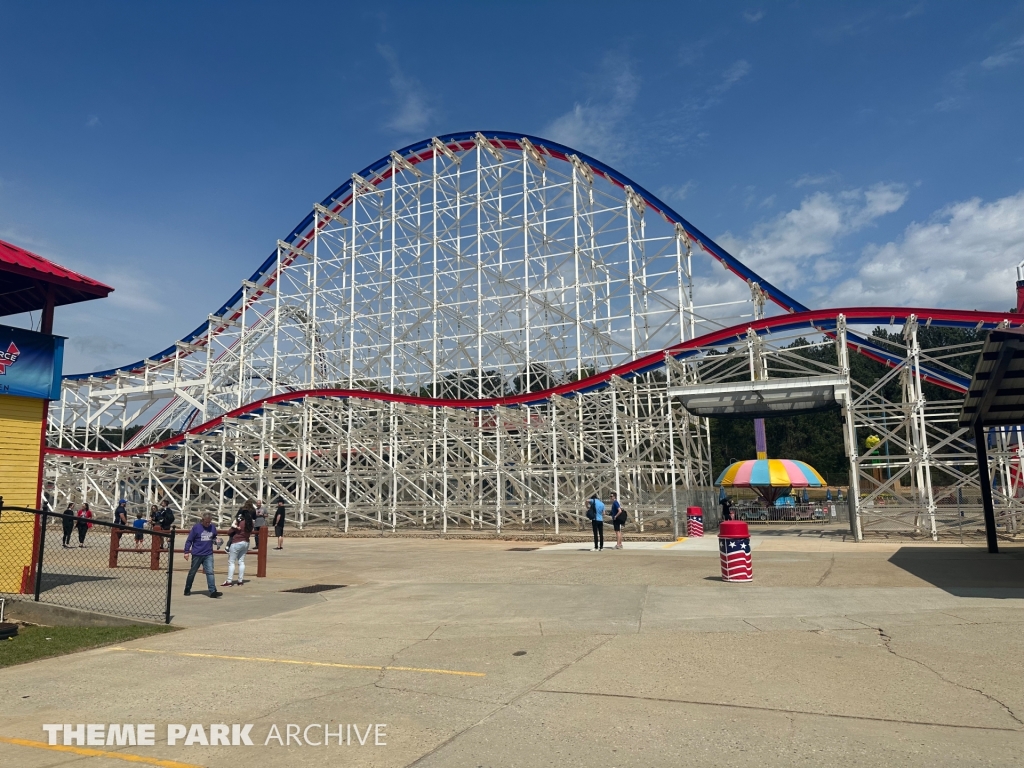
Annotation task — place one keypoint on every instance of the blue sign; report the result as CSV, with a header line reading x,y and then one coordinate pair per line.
x,y
30,363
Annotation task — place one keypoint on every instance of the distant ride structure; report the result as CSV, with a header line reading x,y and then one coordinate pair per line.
x,y
770,478
479,330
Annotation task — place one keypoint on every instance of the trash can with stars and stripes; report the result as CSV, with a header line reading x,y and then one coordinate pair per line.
x,y
734,551
694,522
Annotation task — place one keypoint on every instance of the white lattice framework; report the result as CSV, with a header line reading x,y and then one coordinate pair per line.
x,y
448,340
922,477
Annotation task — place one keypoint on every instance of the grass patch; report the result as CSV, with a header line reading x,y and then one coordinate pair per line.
x,y
34,643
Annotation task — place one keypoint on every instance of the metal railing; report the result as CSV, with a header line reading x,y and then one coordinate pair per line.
x,y
823,513
62,559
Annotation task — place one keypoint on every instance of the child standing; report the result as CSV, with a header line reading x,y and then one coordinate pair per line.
x,y
139,525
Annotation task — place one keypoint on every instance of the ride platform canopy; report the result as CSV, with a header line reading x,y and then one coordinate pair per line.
x,y
770,478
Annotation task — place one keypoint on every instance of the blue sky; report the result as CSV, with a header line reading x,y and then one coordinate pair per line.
x,y
850,152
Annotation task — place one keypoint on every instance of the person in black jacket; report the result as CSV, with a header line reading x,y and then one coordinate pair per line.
x,y
68,523
279,524
727,508
121,517
165,519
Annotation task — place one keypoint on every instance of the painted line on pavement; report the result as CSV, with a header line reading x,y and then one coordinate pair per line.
x,y
307,663
86,752
672,544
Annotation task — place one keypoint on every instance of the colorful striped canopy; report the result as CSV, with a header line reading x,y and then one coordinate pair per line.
x,y
770,473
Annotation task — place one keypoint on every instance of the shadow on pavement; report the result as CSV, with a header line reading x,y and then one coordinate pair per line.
x,y
54,580
831,533
966,572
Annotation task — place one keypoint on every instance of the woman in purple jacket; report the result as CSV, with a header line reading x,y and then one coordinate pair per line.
x,y
199,545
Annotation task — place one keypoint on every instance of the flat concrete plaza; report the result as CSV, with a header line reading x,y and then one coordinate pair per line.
x,y
471,654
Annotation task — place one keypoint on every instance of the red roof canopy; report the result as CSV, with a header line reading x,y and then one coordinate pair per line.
x,y
25,279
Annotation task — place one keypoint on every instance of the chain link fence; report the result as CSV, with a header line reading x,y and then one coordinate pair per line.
x,y
86,564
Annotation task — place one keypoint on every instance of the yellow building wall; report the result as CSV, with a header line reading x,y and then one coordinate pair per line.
x,y
21,422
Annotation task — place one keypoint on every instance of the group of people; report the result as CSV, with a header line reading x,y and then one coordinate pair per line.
x,y
202,540
596,513
72,521
161,519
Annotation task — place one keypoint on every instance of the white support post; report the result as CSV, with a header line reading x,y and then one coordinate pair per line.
x,y
348,460
499,482
312,320
277,323
444,474
554,460
393,325
922,454
850,426
667,402
615,433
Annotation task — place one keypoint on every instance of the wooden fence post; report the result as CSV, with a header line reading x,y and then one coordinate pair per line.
x,y
154,552
114,546
261,556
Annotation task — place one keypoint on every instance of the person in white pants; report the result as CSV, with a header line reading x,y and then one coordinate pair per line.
x,y
238,545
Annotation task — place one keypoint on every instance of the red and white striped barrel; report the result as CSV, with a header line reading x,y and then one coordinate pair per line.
x,y
694,522
734,551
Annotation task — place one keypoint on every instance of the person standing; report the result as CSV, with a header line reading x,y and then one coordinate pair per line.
x,y
726,508
595,511
618,519
139,525
258,522
83,524
165,520
68,522
121,518
238,544
199,545
279,524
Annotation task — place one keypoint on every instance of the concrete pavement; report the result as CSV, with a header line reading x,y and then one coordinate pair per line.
x,y
474,655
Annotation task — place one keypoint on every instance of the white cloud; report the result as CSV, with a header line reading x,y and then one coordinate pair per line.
x,y
963,257
131,292
677,194
810,180
958,81
997,60
413,113
92,122
752,17
1004,57
733,75
915,10
598,127
785,248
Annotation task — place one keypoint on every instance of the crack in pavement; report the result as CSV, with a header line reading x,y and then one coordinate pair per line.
x,y
434,694
887,643
333,693
451,739
779,710
394,657
643,607
827,572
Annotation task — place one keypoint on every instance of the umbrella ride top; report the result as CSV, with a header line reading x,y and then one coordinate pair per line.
x,y
770,478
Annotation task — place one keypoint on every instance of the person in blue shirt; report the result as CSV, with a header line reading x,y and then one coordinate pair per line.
x,y
139,525
199,545
595,511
